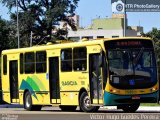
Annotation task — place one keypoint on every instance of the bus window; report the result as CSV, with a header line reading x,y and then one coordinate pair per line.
x,y
5,64
79,59
147,57
131,64
29,62
21,63
66,60
41,61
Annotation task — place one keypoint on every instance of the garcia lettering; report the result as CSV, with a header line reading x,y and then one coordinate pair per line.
x,y
66,83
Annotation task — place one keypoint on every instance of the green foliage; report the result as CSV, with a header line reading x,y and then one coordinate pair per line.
x,y
155,35
6,39
4,33
150,104
0,70
41,17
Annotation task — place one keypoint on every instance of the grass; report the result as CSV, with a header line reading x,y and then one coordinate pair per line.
x,y
150,104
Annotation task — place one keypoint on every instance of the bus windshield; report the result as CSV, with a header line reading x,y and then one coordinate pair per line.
x,y
133,66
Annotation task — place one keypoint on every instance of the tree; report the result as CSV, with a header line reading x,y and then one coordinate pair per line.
x,y
4,35
7,39
155,35
41,17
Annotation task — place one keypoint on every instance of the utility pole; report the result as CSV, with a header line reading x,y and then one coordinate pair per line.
x,y
124,27
31,39
17,24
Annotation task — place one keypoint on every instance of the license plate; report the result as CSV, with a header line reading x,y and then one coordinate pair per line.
x,y
130,92
135,97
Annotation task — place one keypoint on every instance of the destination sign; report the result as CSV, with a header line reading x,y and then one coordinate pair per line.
x,y
130,43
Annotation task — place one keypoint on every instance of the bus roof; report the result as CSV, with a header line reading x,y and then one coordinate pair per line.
x,y
65,44
120,38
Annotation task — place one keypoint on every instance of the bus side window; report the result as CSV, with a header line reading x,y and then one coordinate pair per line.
x,y
41,61
5,64
80,59
29,62
66,60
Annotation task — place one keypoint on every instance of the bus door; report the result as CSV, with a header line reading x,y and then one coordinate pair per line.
x,y
54,80
95,79
13,77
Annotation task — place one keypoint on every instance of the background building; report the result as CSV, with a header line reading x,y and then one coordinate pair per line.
x,y
105,28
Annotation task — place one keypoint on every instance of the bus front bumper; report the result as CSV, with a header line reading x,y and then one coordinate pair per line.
x,y
114,99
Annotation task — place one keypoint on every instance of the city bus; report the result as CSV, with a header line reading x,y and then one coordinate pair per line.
x,y
90,74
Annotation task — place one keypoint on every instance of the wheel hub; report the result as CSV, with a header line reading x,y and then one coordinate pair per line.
x,y
87,101
28,101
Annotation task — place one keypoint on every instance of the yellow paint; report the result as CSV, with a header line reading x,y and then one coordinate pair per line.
x,y
6,97
69,94
131,91
69,98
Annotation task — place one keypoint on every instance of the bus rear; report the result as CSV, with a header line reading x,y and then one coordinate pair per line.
x,y
132,73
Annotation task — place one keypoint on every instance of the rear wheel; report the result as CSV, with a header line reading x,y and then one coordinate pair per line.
x,y
28,103
130,108
85,103
68,108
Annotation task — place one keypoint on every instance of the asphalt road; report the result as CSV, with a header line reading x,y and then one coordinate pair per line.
x,y
54,113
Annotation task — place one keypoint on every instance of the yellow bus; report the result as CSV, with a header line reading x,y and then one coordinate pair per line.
x,y
118,72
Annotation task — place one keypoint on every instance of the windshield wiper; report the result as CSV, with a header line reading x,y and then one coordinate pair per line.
x,y
135,61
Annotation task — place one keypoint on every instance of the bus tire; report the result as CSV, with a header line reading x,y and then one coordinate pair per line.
x,y
85,102
67,108
96,108
130,108
28,103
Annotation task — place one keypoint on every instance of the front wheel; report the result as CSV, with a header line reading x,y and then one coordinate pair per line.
x,y
130,108
85,103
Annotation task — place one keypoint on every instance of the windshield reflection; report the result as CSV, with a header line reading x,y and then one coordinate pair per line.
x,y
131,62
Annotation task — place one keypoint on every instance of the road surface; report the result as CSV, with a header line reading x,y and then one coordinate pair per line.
x,y
54,113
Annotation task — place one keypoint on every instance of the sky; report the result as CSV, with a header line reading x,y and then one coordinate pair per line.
x,y
91,9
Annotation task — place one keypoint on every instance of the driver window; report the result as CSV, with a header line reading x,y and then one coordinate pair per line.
x,y
147,57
